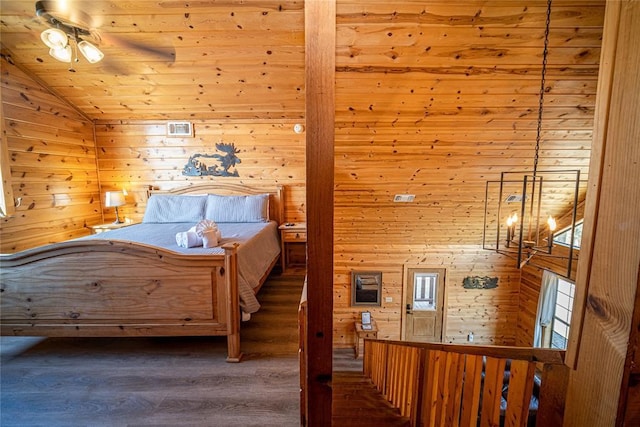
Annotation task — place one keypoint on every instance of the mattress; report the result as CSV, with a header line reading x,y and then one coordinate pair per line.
x,y
259,247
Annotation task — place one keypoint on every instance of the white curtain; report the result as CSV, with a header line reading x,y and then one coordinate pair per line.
x,y
546,305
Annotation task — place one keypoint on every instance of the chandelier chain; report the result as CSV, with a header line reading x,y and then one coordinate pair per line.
x,y
545,53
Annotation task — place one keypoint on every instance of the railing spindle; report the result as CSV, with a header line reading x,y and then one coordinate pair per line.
x,y
453,385
520,390
471,391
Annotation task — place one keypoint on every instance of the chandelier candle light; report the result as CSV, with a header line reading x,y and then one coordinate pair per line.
x,y
522,197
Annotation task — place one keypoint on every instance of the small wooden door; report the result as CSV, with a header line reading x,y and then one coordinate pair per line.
x,y
424,305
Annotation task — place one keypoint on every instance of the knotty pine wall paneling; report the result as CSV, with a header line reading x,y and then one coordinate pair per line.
x,y
137,154
53,164
530,285
238,76
434,99
489,313
531,279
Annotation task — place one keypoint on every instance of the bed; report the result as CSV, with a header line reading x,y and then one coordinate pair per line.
x,y
137,281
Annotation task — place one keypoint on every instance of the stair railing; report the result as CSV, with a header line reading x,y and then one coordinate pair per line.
x,y
451,385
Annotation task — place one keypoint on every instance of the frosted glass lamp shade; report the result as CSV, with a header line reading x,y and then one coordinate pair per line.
x,y
114,199
54,38
92,53
62,54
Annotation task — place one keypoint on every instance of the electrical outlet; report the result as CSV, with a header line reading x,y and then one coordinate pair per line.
x,y
388,299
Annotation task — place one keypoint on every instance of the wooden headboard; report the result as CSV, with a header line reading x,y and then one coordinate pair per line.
x,y
276,195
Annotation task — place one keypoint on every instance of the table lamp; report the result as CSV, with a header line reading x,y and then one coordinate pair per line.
x,y
113,199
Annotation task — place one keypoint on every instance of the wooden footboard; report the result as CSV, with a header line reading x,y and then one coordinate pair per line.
x,y
117,288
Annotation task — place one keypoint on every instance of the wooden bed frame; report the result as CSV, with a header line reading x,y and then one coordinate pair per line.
x,y
96,287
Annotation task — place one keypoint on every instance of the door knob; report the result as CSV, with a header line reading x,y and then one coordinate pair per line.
x,y
409,309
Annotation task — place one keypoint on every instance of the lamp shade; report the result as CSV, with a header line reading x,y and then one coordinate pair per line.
x,y
114,199
62,54
92,53
54,38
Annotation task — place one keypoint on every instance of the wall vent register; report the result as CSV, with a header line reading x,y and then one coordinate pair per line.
x,y
404,198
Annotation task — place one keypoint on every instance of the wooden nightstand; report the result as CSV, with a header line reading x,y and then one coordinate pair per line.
x,y
100,228
293,240
361,334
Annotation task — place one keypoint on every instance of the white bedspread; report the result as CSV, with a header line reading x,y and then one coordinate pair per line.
x,y
259,247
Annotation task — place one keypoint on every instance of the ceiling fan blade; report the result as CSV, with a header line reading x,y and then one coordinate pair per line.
x,y
160,53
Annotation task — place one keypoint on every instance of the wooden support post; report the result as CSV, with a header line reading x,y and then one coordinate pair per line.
x,y
233,312
320,60
609,265
554,382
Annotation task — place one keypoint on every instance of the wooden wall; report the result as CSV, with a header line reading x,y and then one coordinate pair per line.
x,y
530,284
490,314
238,77
434,99
53,164
133,155
531,280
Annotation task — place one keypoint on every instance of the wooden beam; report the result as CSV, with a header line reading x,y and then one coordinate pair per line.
x,y
592,202
320,39
607,278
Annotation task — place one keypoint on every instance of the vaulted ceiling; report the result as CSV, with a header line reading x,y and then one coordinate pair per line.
x,y
433,98
170,59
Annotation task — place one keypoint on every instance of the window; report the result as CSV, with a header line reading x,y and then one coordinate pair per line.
x,y
424,291
563,237
554,312
562,315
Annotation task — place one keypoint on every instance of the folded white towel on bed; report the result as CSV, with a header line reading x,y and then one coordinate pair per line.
x,y
209,232
209,239
205,233
188,239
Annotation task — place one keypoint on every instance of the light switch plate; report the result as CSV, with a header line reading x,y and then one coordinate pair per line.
x,y
404,198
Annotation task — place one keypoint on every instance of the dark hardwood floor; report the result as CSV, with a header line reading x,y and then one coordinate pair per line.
x,y
159,381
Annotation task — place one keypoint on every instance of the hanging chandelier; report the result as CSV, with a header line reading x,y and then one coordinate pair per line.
x,y
525,208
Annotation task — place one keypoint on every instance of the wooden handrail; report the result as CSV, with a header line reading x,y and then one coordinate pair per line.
x,y
436,384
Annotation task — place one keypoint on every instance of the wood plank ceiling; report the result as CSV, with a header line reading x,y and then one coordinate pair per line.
x,y
173,59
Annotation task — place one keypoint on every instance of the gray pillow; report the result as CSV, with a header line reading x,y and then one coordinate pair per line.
x,y
253,208
174,208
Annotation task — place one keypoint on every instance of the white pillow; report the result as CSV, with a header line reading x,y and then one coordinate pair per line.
x,y
237,208
173,208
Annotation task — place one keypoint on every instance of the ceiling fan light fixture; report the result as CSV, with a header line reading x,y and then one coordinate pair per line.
x,y
54,38
90,52
63,54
